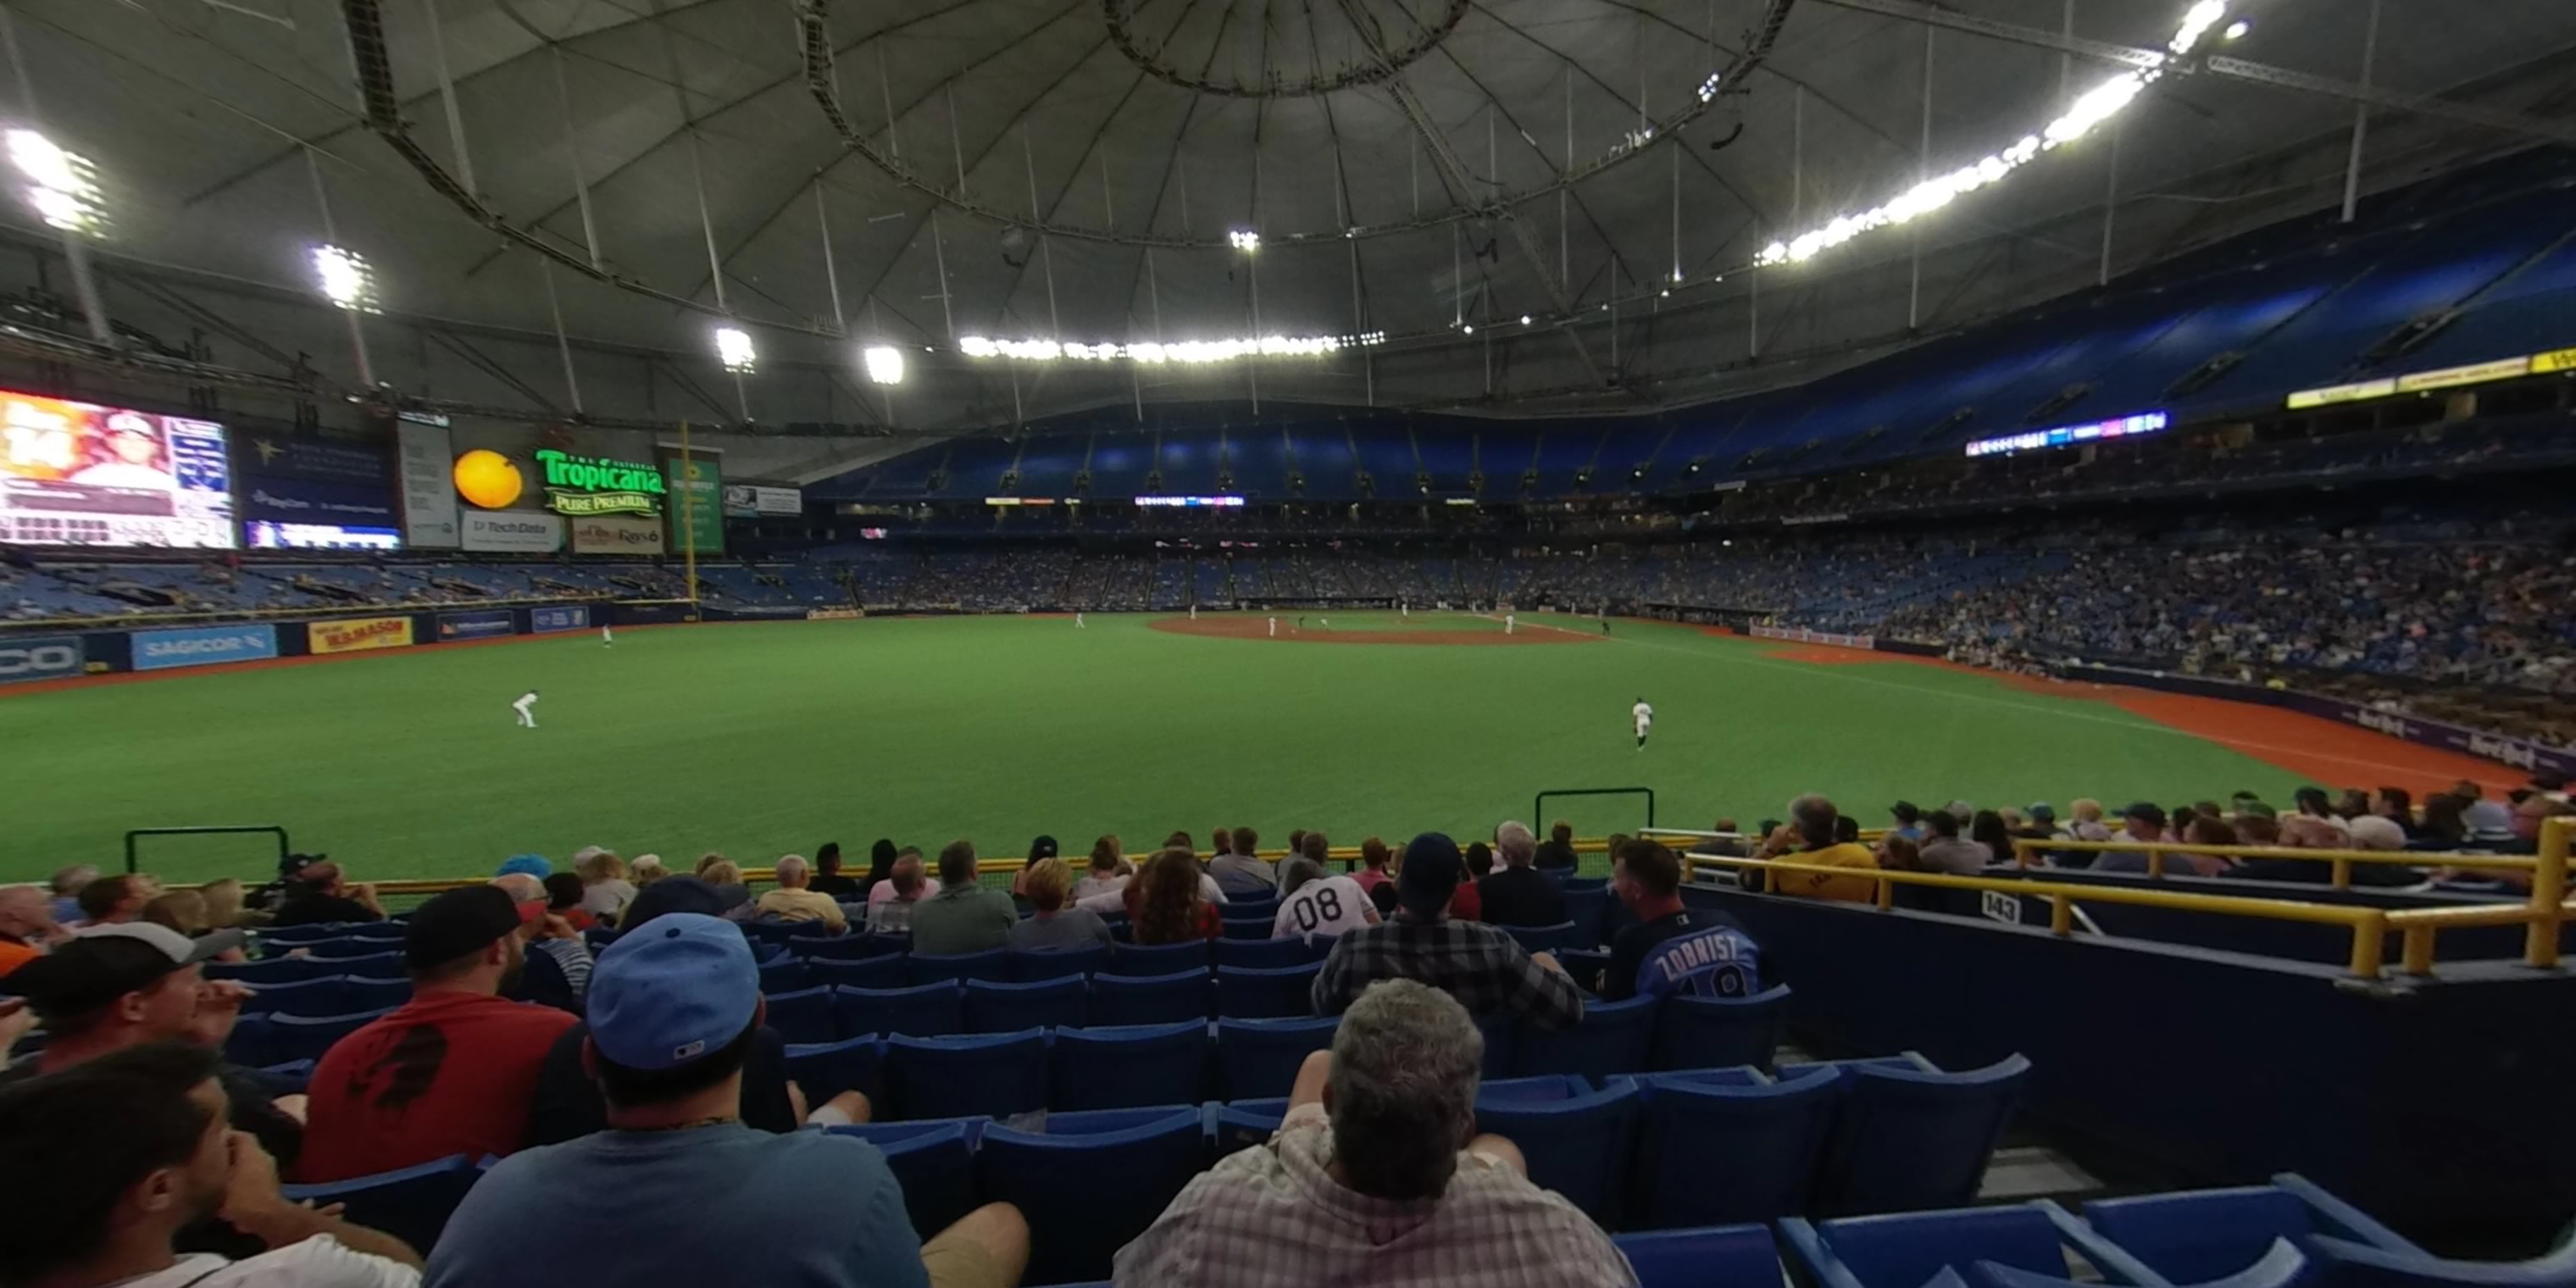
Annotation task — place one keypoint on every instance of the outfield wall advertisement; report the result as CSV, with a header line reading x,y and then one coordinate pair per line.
x,y
425,465
617,534
484,624
547,621
358,634
204,646
41,657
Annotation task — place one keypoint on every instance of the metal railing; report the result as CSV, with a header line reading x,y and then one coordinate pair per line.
x,y
2028,853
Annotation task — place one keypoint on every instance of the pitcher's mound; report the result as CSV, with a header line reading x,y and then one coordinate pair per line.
x,y
1233,627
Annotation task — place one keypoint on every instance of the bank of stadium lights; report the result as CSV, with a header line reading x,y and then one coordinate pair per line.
x,y
347,280
2236,30
61,186
2088,113
1244,240
884,363
1184,351
734,350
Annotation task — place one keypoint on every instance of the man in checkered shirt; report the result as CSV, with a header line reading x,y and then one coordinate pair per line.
x,y
1480,965
1376,1176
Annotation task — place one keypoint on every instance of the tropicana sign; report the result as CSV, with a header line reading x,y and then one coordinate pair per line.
x,y
586,485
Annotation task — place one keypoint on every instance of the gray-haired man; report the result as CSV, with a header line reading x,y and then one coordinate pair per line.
x,y
1377,1164
1516,894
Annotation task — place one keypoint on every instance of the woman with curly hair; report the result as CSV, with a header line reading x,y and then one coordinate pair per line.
x,y
1165,906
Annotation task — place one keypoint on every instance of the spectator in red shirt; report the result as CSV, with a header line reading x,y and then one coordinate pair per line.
x,y
453,1071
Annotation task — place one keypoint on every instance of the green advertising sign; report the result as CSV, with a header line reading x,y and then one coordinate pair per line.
x,y
588,485
697,503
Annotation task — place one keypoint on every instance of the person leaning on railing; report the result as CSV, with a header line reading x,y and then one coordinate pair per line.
x,y
1808,838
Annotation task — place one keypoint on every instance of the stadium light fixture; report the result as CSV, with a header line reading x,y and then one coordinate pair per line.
x,y
61,186
885,364
1181,351
2087,113
1243,239
2236,30
1525,319
734,350
348,281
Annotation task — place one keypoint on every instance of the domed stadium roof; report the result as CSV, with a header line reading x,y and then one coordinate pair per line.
x,y
1421,175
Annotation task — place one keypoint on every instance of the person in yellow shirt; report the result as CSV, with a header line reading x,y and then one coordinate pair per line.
x,y
792,901
1809,839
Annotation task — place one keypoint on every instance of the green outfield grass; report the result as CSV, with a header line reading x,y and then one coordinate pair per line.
x,y
767,738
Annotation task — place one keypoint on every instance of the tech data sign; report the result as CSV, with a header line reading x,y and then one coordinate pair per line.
x,y
581,486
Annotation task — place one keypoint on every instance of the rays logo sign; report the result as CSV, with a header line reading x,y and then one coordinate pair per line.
x,y
588,485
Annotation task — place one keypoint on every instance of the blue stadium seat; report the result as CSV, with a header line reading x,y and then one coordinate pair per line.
x,y
930,968
1055,1179
847,948
826,1069
1056,963
1585,966
1246,927
932,1010
1243,993
1126,1068
1009,1008
252,1043
1260,1058
884,971
411,1204
275,940
1549,939
1501,1031
1720,1032
1913,1139
1243,1124
2346,1264
785,975
383,932
1159,959
288,1079
1265,908
804,1016
306,1037
768,934
365,994
2212,1234
1905,1250
1727,1256
934,1162
322,995
341,950
1578,1142
275,970
996,1074
1771,1135
2281,1266
1583,908
1120,1000
1612,1039
1265,954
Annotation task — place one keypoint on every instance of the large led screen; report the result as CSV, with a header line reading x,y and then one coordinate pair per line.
x,y
79,474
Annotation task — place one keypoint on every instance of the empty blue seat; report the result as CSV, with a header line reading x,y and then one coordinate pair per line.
x,y
1056,1181
411,1204
785,975
275,970
1770,1136
1009,1008
1550,939
1266,954
826,1069
1123,1068
2204,1235
345,948
1246,927
1150,999
1244,993
1907,1249
1243,1124
389,932
930,968
1265,908
1727,1256
1260,1058
768,934
376,964
934,1162
1915,1139
847,948
2346,1264
956,1077
322,995
1578,1145
1583,908
1612,1039
1720,1032
931,1010
1151,960
2281,1266
802,1016
1056,963
365,994
291,936
306,1037
884,971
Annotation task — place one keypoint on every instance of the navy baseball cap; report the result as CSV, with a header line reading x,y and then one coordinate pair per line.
x,y
1432,871
672,992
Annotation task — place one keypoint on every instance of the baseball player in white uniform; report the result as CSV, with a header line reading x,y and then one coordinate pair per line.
x,y
527,720
1644,715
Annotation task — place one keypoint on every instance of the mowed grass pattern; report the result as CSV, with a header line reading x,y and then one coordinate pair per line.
x,y
762,739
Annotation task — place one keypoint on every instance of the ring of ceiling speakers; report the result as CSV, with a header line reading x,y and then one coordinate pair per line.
x,y
1148,56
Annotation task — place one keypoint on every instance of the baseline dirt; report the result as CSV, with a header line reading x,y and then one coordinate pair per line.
x,y
1257,628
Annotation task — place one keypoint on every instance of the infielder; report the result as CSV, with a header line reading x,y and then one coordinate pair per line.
x,y
1645,717
1508,620
527,720
1274,628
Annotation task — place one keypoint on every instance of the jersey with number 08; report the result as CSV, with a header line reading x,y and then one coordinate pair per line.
x,y
1322,909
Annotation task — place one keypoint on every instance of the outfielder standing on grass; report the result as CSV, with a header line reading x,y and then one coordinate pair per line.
x,y
1644,716
526,700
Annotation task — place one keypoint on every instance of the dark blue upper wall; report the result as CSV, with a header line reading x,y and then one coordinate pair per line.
x,y
2296,306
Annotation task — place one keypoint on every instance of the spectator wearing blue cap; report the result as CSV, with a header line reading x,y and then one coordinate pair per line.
x,y
533,865
1480,965
675,1006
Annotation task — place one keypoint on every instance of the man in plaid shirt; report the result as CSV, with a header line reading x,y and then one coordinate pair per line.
x,y
1480,965
1376,1176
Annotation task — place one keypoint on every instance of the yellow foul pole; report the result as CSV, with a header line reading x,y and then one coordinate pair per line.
x,y
689,515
